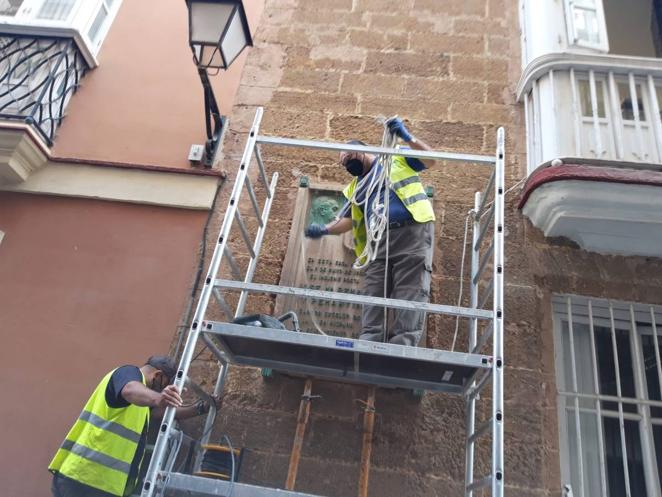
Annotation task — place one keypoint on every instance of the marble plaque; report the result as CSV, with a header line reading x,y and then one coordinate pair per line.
x,y
322,264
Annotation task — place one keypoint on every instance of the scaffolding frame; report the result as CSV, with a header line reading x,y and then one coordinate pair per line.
x,y
475,369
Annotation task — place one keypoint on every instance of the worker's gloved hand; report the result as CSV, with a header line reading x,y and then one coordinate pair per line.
x,y
203,406
398,128
316,231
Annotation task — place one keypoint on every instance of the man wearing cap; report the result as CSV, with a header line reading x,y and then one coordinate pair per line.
x,y
102,453
410,219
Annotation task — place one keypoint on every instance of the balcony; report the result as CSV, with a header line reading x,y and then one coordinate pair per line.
x,y
38,76
594,147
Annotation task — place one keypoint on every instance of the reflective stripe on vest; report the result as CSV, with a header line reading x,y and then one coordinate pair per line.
x,y
101,445
110,426
407,185
97,457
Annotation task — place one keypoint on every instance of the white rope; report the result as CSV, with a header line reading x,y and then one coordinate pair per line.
x,y
464,253
489,204
374,185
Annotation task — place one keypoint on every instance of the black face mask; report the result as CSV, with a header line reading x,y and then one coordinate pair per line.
x,y
354,167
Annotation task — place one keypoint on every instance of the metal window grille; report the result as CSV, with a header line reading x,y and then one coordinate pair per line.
x,y
609,378
38,76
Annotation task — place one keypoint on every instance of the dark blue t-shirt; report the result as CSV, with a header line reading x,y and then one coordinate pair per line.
x,y
397,210
118,380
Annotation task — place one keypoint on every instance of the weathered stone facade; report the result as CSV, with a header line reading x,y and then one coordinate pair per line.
x,y
326,70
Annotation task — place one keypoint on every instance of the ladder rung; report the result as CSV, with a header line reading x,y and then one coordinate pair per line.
x,y
481,430
256,206
488,293
484,262
487,334
244,233
478,387
263,172
484,228
482,483
234,267
486,194
223,304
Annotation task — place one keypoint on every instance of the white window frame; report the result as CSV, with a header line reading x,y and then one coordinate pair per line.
x,y
573,38
77,25
638,320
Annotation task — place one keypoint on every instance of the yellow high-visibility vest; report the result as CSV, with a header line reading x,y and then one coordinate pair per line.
x,y
100,447
407,185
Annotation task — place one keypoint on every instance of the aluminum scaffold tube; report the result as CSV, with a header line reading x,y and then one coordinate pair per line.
x,y
497,344
155,466
474,371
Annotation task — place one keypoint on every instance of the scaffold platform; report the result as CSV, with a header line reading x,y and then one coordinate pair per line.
x,y
376,364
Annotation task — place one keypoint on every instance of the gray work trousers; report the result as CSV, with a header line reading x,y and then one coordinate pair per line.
x,y
409,271
66,487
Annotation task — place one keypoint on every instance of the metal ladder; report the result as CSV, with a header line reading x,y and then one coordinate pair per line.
x,y
474,369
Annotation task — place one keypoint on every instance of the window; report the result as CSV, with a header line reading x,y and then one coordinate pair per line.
x,y
90,18
586,101
10,7
586,24
56,10
634,27
609,377
620,27
95,31
626,97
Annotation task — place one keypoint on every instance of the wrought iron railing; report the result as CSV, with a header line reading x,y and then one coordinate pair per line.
x,y
38,76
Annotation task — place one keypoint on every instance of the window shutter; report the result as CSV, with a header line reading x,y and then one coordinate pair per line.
x,y
585,21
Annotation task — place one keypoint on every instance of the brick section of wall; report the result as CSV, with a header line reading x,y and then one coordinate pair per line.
x,y
327,70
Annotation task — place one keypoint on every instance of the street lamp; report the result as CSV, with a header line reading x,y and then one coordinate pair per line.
x,y
218,32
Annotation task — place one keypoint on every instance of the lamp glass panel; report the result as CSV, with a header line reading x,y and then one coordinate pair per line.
x,y
234,40
210,57
208,20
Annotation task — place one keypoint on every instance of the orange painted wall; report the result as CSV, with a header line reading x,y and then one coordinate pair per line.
x,y
85,286
144,103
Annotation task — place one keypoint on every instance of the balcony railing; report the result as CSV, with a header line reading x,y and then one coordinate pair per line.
x,y
593,107
38,76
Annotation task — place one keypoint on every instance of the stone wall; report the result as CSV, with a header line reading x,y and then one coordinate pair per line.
x,y
326,70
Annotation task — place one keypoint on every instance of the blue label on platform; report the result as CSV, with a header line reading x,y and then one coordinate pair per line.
x,y
345,343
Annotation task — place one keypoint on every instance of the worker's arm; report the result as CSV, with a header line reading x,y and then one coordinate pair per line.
x,y
339,226
397,127
134,392
417,144
184,412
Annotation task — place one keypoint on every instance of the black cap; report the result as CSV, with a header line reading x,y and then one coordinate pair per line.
x,y
164,364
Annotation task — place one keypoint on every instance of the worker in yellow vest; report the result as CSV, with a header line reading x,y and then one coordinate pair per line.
x,y
410,223
102,453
